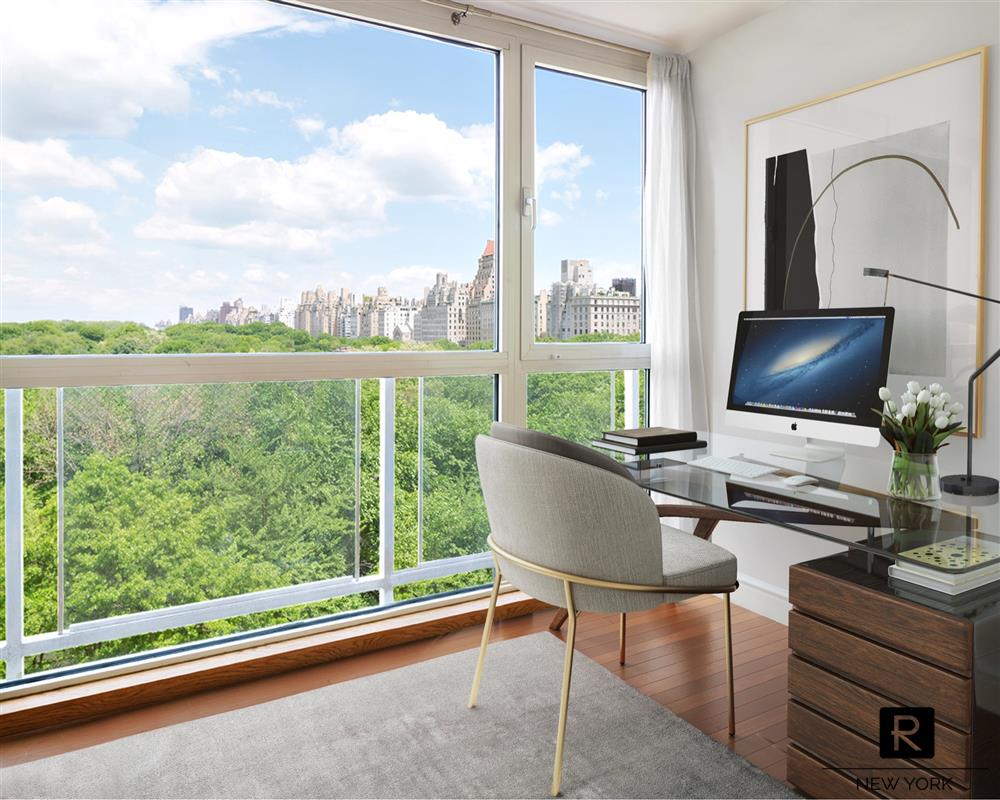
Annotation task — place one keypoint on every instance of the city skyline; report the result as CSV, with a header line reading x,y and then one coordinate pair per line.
x,y
461,312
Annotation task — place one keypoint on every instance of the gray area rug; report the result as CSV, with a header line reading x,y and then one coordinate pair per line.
x,y
408,733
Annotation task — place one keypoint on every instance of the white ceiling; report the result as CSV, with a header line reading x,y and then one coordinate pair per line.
x,y
661,26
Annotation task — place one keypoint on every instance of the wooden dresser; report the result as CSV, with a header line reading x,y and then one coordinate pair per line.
x,y
859,645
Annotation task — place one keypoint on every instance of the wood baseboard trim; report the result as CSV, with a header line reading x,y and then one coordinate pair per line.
x,y
100,698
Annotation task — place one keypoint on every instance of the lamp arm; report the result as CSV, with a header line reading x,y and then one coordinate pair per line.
x,y
972,396
942,288
924,167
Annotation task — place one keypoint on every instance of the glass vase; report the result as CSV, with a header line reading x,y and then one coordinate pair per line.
x,y
915,476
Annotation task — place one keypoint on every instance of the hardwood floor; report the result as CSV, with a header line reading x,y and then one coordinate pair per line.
x,y
674,655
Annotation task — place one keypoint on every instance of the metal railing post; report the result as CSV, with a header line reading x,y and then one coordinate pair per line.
x,y
387,485
60,514
631,377
614,405
14,531
357,478
420,470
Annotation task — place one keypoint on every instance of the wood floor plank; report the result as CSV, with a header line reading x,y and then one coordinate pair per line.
x,y
605,632
699,677
712,650
652,648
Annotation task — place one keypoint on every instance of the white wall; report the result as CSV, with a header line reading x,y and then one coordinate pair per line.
x,y
798,52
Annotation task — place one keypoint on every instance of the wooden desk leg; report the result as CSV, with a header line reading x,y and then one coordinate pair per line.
x,y
705,528
560,617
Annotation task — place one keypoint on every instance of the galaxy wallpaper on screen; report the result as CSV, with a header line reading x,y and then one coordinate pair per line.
x,y
819,365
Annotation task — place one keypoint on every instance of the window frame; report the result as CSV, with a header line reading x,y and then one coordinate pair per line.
x,y
516,354
532,58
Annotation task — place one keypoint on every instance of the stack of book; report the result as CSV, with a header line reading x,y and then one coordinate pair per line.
x,y
957,552
644,441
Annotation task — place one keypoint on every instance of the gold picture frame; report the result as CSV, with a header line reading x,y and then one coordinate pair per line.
x,y
754,124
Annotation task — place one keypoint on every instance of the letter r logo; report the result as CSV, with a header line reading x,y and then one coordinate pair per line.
x,y
906,732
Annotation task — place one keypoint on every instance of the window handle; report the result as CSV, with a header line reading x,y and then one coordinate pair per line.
x,y
529,205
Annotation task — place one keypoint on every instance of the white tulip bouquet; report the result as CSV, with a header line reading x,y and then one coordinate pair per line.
x,y
921,421
916,428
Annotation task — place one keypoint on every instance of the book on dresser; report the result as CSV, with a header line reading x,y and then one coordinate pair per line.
x,y
979,557
945,582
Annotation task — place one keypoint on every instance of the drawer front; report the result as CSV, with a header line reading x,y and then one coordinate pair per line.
x,y
817,780
840,748
884,671
857,708
920,631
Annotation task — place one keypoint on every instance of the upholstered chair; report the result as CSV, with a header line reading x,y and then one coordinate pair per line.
x,y
576,533
707,518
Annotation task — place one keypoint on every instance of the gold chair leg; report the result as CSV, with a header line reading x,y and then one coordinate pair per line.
x,y
621,639
487,627
729,665
567,678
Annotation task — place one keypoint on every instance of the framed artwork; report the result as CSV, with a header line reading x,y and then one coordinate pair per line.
x,y
890,174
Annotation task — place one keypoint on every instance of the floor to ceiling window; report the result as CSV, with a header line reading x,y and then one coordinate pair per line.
x,y
268,271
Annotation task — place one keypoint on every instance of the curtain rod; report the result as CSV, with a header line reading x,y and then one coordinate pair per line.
x,y
461,9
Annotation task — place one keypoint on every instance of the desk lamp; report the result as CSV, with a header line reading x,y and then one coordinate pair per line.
x,y
967,484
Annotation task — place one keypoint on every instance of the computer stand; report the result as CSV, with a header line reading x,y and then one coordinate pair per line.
x,y
810,453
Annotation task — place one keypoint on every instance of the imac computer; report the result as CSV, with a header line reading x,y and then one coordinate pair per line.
x,y
811,373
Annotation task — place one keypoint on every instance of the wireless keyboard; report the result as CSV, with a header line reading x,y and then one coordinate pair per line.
x,y
732,466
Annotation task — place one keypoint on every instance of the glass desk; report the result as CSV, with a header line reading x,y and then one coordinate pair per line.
x,y
946,536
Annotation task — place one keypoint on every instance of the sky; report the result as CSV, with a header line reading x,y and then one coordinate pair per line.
x,y
188,152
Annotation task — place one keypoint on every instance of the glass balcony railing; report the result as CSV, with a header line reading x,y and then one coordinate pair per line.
x,y
144,517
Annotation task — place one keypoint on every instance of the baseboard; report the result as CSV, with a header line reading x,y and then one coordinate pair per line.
x,y
762,598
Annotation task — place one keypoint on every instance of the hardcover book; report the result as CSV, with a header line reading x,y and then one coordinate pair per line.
x,y
645,437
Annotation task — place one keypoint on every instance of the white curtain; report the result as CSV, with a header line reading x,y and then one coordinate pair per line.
x,y
677,382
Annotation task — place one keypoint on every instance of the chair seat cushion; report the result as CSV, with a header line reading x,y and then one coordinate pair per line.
x,y
690,561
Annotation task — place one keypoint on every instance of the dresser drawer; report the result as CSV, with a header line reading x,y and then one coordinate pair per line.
x,y
858,757
884,671
857,708
911,628
816,779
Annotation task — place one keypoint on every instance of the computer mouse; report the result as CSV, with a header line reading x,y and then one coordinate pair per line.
x,y
800,480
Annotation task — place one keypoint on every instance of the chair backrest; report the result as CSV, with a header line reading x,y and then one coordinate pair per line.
x,y
557,446
573,517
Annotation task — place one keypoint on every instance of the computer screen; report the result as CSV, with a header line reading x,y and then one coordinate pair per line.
x,y
825,365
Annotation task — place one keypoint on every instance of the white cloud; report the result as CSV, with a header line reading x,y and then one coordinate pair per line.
x,y
559,161
249,98
600,195
259,97
337,192
548,217
211,74
255,275
309,126
198,280
124,169
61,227
95,67
29,165
569,195
408,282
